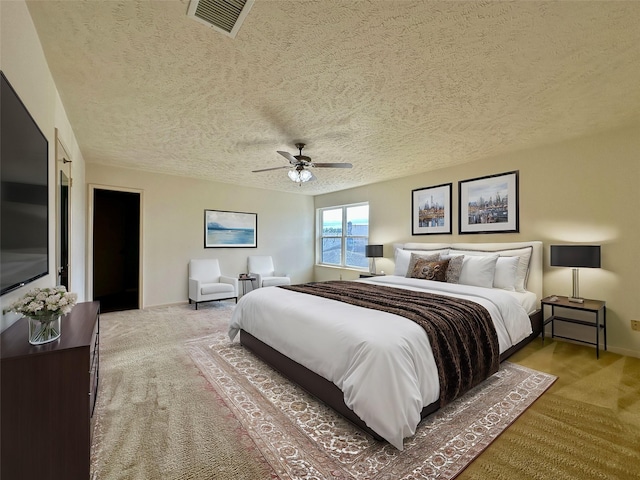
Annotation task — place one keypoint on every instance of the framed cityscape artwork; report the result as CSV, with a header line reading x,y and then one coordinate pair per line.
x,y
431,210
489,204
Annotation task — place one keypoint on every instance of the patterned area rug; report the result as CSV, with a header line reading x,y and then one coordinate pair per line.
x,y
301,438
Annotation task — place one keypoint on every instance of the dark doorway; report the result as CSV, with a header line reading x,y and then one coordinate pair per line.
x,y
63,218
116,249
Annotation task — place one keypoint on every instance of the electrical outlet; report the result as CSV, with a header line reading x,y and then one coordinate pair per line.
x,y
635,325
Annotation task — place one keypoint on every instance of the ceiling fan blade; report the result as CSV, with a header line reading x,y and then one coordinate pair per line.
x,y
293,160
332,165
267,169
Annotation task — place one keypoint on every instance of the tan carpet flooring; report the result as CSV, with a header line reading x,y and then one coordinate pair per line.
x,y
156,418
586,426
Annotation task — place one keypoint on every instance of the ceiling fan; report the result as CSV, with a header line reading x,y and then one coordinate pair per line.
x,y
299,163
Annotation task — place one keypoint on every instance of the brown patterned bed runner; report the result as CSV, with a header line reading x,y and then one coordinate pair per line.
x,y
461,332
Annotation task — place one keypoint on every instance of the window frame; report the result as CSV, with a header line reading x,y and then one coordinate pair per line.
x,y
343,237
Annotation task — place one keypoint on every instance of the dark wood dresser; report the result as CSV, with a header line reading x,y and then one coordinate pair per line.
x,y
47,398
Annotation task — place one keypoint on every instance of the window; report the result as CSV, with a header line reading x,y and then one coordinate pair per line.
x,y
344,232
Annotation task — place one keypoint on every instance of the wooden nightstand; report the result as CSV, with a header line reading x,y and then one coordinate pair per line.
x,y
596,307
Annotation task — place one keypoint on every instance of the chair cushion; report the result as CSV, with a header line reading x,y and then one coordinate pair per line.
x,y
205,270
211,288
271,281
262,264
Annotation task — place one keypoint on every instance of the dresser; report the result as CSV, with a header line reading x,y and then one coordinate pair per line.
x,y
48,395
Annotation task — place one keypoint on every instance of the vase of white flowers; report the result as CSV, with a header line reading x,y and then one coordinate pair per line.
x,y
43,308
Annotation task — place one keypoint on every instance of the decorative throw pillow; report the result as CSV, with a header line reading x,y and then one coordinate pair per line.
x,y
402,258
432,257
436,271
455,267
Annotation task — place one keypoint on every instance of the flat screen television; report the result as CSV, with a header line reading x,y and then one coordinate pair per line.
x,y
24,194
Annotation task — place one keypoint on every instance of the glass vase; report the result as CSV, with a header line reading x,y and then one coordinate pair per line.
x,y
43,329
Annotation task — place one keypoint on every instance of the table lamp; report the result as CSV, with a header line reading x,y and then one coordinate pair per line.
x,y
575,256
373,252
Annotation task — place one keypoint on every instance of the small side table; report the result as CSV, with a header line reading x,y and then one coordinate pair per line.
x,y
243,281
597,307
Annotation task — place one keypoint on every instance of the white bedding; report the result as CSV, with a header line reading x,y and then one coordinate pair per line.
x,y
382,362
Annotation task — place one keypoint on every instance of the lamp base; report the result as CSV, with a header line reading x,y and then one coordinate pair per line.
x,y
575,296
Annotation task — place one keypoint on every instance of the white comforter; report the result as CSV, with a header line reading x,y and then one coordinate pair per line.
x,y
382,362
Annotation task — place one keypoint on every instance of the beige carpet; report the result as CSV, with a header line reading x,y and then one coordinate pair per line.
x,y
178,400
157,416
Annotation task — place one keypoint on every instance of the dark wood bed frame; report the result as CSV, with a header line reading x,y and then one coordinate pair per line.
x,y
328,392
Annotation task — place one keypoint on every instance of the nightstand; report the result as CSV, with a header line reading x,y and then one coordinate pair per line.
x,y
243,281
596,307
369,275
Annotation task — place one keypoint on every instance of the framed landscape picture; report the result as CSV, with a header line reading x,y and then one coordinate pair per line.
x,y
489,204
230,229
431,210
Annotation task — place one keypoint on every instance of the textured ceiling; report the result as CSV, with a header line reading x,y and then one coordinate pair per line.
x,y
394,87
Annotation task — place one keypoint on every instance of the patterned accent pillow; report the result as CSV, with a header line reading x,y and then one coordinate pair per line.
x,y
455,268
426,270
432,257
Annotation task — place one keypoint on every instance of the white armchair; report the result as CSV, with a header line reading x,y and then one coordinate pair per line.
x,y
207,284
261,267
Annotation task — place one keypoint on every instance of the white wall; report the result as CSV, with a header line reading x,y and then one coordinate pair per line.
x,y
173,228
22,61
581,191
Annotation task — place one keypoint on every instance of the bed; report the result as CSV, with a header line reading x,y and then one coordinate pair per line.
x,y
376,368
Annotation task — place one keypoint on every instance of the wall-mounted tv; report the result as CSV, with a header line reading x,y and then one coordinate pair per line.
x,y
24,194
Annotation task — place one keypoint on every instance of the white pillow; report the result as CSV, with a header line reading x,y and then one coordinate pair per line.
x,y
524,257
478,270
522,273
403,257
505,274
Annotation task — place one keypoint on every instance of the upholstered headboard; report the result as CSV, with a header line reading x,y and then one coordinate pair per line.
x,y
534,277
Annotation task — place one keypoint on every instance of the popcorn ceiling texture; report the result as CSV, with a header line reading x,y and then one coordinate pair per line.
x,y
394,87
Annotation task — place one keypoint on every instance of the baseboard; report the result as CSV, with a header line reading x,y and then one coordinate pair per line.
x,y
624,351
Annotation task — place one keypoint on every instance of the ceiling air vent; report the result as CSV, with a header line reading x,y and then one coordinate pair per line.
x,y
225,16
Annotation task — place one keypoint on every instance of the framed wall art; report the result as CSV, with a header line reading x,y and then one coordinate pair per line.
x,y
230,229
431,210
489,204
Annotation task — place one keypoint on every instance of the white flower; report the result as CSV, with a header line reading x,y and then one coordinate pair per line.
x,y
46,301
34,306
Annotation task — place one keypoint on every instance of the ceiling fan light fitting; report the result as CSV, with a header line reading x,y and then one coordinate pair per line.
x,y
300,176
298,172
305,175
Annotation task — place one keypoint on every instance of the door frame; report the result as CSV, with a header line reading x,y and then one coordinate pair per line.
x,y
63,166
92,188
